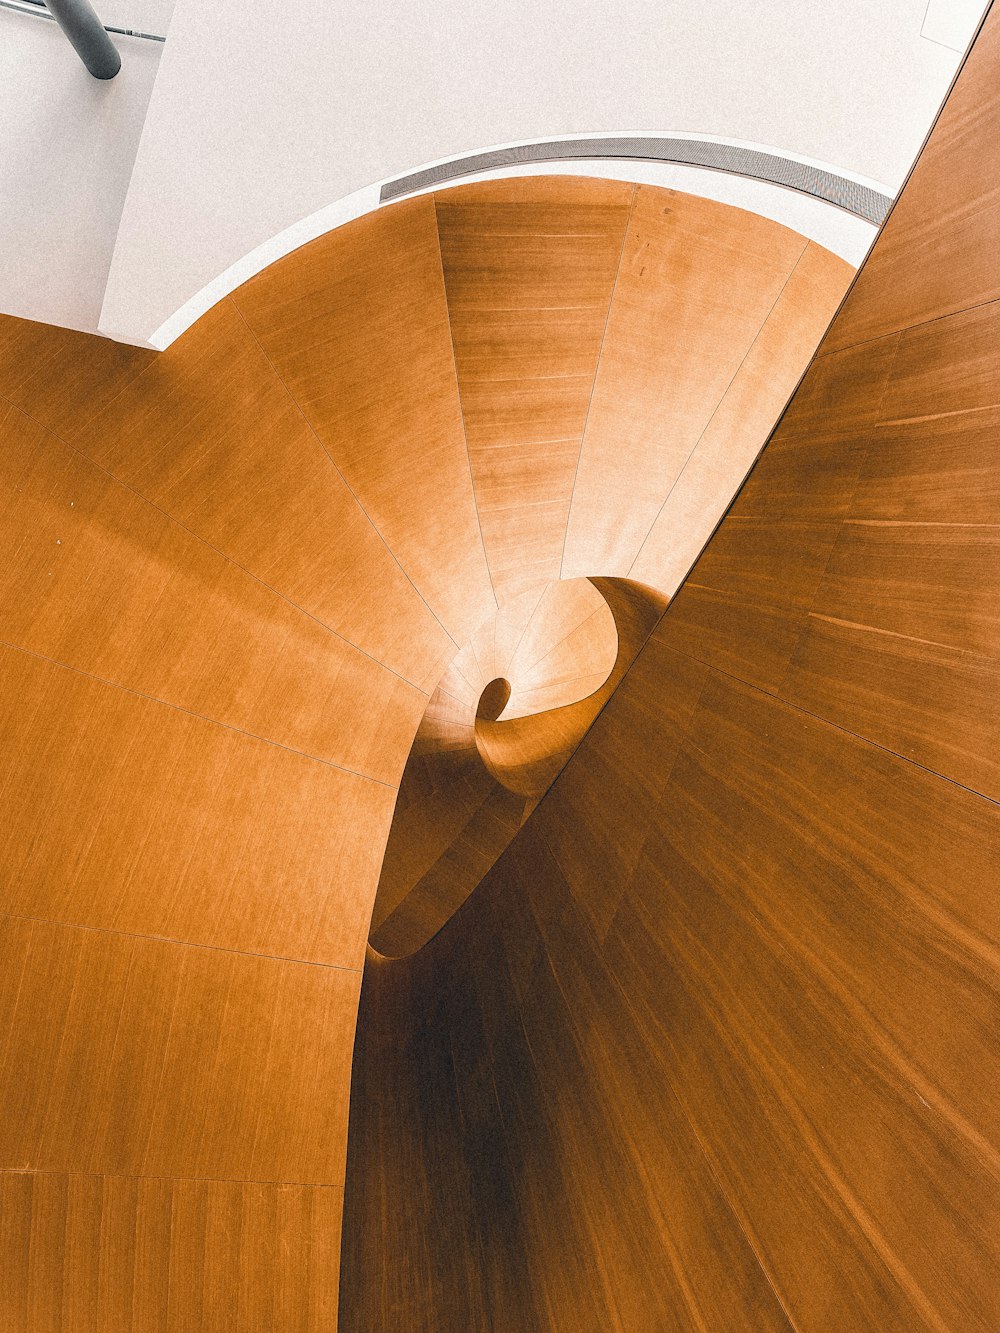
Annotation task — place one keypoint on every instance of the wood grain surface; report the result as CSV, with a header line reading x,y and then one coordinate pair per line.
x,y
476,771
529,268
104,1254
937,252
234,577
713,1046
357,327
691,364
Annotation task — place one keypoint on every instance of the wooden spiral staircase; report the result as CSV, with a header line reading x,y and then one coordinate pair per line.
x,y
710,1041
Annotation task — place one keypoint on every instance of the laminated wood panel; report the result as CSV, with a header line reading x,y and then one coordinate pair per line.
x,y
713,1045
125,1055
470,784
568,638
924,469
123,814
511,624
529,269
61,377
943,578
746,603
811,986
210,435
497,1130
902,643
94,577
93,1254
440,792
934,704
742,420
230,569
466,858
696,284
791,967
937,252
630,747
356,325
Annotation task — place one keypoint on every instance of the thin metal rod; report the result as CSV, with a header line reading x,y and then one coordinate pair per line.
x,y
80,23
36,8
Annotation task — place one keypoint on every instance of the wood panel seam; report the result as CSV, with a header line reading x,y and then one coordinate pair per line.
x,y
906,328
461,405
172,940
350,490
175,522
835,726
718,406
188,712
597,371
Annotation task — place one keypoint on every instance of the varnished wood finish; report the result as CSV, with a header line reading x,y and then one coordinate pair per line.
x,y
356,324
242,470
714,1046
476,771
144,1042
101,580
529,268
135,817
63,378
98,1254
231,577
691,364
903,642
937,252
743,418
527,750
746,603
568,648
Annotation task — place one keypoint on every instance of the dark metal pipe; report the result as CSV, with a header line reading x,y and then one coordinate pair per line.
x,y
86,34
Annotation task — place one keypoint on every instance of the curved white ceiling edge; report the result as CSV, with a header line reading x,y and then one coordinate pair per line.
x,y
846,235
262,116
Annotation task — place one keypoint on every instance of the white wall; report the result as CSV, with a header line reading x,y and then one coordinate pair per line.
x,y
265,114
67,147
846,235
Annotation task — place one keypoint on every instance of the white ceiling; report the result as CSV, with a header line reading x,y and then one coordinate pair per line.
x,y
263,116
951,22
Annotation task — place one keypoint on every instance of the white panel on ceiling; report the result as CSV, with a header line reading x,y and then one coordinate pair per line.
x,y
952,22
265,118
67,147
151,16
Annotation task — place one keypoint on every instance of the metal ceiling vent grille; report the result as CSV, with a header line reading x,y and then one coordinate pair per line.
x,y
860,200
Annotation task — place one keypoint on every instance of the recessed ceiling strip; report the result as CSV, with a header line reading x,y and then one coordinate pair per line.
x,y
852,196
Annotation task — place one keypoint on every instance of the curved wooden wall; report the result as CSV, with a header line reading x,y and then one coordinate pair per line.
x,y
475,773
714,1046
231,576
453,817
